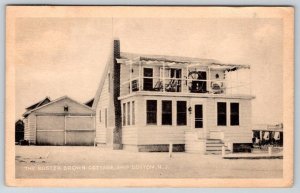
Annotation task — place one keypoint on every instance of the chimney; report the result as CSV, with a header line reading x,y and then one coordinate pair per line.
x,y
117,132
116,48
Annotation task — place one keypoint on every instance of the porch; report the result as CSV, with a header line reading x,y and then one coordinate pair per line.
x,y
166,76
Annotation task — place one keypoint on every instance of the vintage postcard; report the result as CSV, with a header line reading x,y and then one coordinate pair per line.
x,y
112,96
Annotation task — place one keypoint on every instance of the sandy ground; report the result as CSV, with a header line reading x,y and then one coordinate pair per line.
x,y
90,162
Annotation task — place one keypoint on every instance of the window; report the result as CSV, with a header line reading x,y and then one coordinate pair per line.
x,y
176,85
221,114
106,118
133,112
128,113
100,116
181,113
124,114
199,81
234,114
151,111
148,79
66,108
166,118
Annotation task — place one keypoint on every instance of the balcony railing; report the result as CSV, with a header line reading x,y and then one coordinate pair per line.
x,y
185,85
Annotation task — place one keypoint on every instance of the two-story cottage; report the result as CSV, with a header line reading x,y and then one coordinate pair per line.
x,y
145,103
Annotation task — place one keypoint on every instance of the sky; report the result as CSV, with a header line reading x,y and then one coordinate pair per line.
x,y
57,56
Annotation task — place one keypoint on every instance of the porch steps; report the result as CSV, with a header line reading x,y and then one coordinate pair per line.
x,y
198,144
214,147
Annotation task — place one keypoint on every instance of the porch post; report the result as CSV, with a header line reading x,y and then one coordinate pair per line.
x,y
140,74
209,80
130,76
237,84
190,113
187,77
164,84
174,112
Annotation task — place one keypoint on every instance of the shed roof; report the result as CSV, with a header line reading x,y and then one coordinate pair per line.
x,y
56,100
40,103
36,105
89,102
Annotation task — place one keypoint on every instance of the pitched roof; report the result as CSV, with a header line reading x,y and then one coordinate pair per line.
x,y
19,121
59,99
35,105
89,102
179,59
108,65
165,58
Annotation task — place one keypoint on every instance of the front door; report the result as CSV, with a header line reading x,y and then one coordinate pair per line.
x,y
198,116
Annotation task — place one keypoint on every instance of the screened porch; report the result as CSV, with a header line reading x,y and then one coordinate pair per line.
x,y
166,76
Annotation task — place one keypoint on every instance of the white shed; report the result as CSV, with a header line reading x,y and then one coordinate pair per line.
x,y
63,121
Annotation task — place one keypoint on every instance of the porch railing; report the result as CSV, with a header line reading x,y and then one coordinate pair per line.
x,y
185,85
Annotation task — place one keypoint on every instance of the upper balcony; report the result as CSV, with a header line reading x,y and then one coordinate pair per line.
x,y
184,75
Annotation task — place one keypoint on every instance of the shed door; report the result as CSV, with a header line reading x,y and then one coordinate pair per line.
x,y
50,130
80,130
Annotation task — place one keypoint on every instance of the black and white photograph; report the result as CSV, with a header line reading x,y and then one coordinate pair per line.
x,y
171,96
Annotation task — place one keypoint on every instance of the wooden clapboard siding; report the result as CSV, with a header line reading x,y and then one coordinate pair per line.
x,y
158,134
26,129
193,144
245,113
135,71
103,105
143,134
46,125
184,87
211,115
129,135
124,76
109,136
129,132
243,132
234,134
238,135
156,73
161,135
30,129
